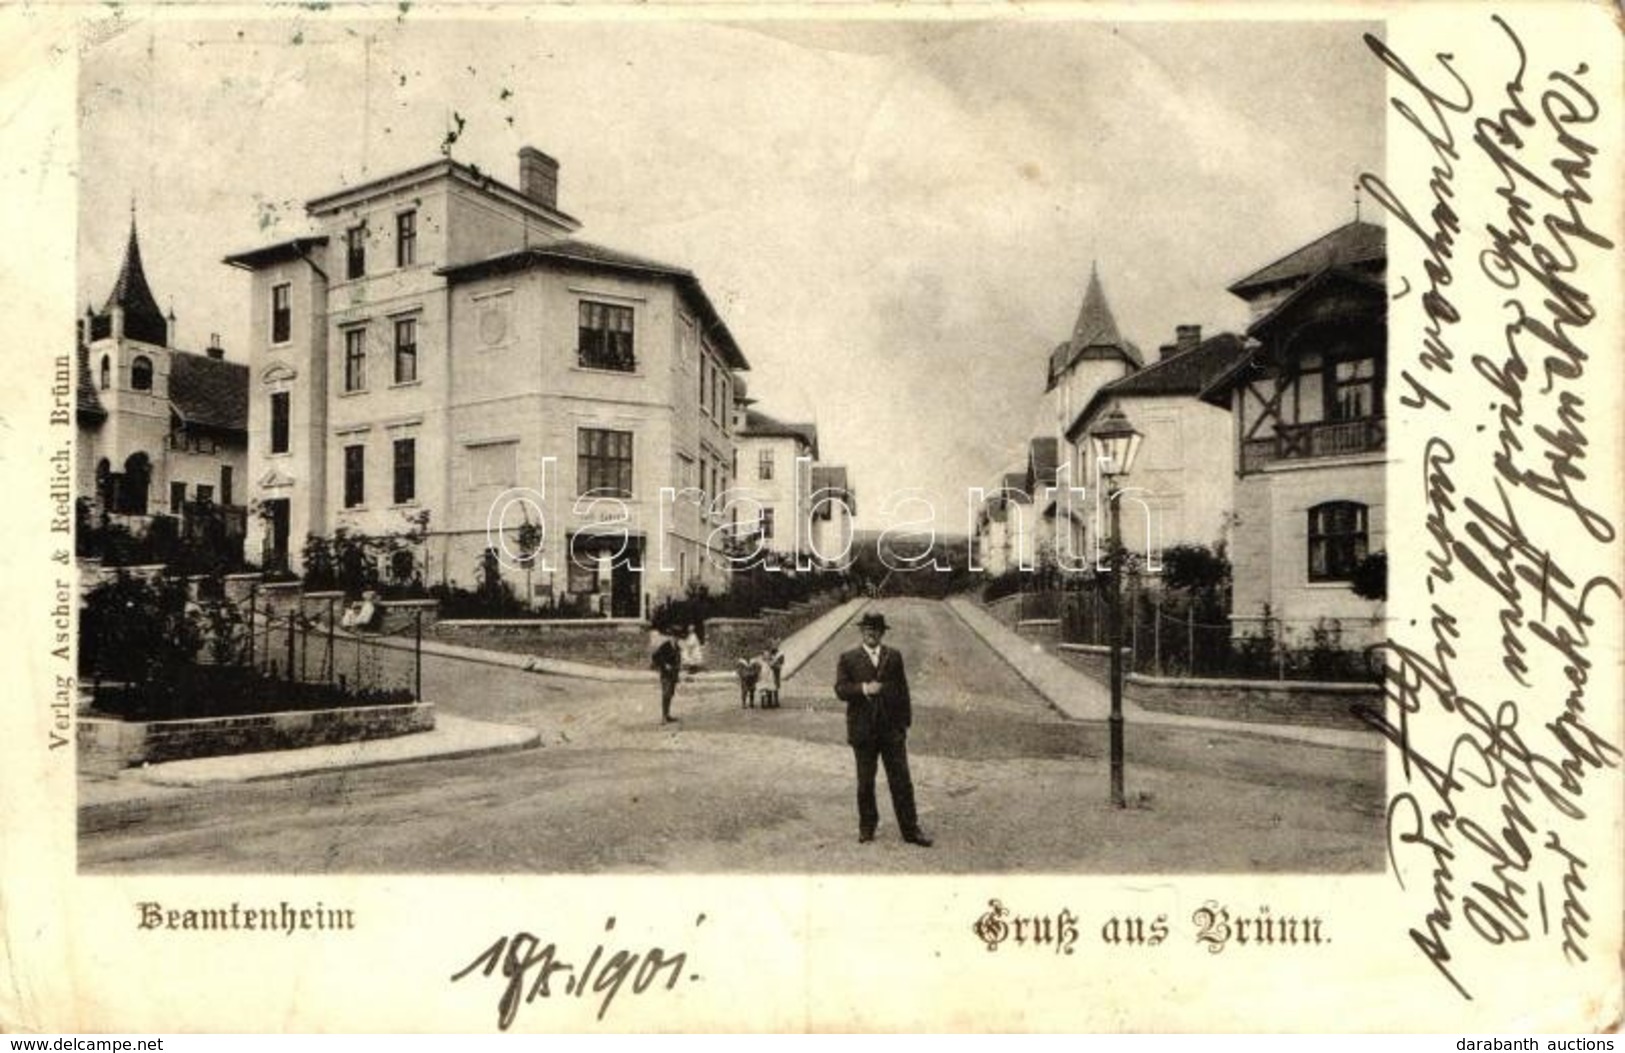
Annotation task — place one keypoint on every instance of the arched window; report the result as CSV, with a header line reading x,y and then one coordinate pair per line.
x,y
1337,540
141,373
104,484
107,373
133,491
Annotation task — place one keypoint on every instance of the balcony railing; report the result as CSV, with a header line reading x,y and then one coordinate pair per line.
x,y
1295,442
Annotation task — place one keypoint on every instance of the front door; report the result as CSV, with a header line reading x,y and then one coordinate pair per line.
x,y
276,544
626,582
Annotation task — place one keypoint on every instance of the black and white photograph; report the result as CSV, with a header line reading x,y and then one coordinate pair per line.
x,y
682,487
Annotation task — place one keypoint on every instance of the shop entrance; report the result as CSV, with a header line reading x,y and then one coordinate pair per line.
x,y
606,575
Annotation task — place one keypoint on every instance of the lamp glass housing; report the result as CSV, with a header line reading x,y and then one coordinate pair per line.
x,y
1115,444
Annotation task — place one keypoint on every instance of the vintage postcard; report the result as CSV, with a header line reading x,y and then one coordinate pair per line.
x,y
571,518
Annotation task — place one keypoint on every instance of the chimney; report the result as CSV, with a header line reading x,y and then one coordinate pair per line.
x,y
214,350
539,177
1186,337
1167,351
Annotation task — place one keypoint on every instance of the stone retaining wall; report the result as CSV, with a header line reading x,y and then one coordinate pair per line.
x,y
620,644
1304,702
108,745
1265,702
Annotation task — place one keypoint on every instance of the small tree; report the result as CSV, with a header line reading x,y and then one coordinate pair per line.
x,y
1370,581
138,631
528,538
1194,567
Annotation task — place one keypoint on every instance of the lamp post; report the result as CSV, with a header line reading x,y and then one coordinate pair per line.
x,y
1115,442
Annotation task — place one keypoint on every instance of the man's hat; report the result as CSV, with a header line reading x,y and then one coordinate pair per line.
x,y
873,620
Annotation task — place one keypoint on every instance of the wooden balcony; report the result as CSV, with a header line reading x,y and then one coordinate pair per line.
x,y
1299,442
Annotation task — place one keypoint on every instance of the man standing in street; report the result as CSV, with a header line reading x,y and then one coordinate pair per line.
x,y
668,662
871,681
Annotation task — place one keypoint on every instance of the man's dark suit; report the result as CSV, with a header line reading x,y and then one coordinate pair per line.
x,y
877,730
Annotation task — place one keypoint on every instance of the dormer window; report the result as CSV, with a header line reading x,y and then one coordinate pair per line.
x,y
107,373
141,373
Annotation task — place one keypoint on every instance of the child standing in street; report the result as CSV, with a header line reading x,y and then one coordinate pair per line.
x,y
749,671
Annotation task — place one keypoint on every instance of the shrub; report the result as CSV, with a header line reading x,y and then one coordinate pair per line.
x,y
1370,580
1194,567
138,631
353,562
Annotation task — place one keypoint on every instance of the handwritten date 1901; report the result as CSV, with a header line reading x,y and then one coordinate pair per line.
x,y
531,969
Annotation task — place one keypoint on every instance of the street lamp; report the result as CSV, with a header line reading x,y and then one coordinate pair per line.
x,y
1115,443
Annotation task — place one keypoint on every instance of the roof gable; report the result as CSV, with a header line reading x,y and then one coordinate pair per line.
x,y
759,425
1335,294
1353,244
829,477
1334,291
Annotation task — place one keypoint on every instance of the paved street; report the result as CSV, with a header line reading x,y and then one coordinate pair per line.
x,y
1004,784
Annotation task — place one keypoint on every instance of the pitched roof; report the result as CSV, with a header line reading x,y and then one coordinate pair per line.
x,y
586,254
292,249
1310,289
1252,362
89,403
1353,244
1094,334
1043,457
1013,487
143,319
760,425
1186,373
209,392
1182,374
829,477
470,175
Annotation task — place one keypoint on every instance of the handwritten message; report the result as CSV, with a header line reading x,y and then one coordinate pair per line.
x,y
1503,742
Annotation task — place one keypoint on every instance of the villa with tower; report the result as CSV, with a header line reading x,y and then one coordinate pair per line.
x,y
162,431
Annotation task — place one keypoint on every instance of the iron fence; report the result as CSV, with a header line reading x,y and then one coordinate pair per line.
x,y
162,648
1173,635
311,647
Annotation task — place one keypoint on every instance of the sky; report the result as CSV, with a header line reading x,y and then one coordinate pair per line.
x,y
897,220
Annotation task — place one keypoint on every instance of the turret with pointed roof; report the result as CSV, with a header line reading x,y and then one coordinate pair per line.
x,y
1094,335
131,295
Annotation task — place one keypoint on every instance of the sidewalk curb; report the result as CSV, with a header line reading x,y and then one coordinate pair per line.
x,y
386,752
953,603
1327,738
818,635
